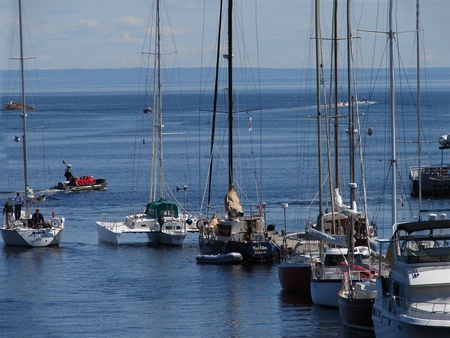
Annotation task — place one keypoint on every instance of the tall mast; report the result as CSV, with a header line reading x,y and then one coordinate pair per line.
x,y
351,103
336,99
419,143
230,93
157,149
216,88
319,115
393,134
24,110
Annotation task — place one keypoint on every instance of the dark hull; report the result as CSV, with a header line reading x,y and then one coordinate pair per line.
x,y
223,259
295,276
356,313
252,252
435,182
100,184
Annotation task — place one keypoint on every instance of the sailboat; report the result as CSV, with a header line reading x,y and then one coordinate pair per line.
x,y
28,231
343,223
358,289
413,300
246,235
161,219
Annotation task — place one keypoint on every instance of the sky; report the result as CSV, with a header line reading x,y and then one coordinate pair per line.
x,y
89,34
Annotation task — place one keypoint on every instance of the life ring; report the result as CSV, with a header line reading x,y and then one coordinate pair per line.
x,y
196,224
371,230
56,222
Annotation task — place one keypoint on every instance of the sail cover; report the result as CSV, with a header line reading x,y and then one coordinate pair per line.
x,y
232,204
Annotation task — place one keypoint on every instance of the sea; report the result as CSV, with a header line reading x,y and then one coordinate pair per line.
x,y
90,289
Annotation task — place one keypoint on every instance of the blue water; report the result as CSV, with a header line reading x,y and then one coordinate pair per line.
x,y
85,288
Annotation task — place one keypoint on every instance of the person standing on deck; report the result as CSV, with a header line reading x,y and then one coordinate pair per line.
x,y
8,210
18,201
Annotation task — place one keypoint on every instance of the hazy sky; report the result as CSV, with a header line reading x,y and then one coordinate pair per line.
x,y
110,33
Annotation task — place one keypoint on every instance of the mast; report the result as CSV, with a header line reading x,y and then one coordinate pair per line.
x,y
157,149
392,98
351,137
351,102
419,144
24,112
319,115
230,93
216,89
336,99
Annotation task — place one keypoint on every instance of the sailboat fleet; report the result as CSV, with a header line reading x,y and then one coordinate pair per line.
x,y
407,293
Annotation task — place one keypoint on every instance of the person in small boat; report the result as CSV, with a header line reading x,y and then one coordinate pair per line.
x,y
8,210
37,219
68,174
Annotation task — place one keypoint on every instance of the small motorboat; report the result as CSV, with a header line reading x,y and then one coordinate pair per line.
x,y
220,259
83,183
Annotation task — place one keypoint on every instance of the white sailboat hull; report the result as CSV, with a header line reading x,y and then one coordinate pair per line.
x,y
172,232
27,237
325,292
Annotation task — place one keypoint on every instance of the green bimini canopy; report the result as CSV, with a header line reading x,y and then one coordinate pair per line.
x,y
162,209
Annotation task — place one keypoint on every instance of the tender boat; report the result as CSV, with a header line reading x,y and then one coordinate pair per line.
x,y
220,259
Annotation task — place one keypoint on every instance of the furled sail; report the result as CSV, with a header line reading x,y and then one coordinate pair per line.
x,y
232,204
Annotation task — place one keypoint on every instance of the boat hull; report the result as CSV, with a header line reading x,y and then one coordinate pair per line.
x,y
356,313
159,237
26,237
100,184
252,252
295,276
108,233
324,292
388,325
222,259
435,180
172,232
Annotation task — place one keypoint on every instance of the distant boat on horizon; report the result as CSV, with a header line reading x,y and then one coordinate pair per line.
x,y
17,106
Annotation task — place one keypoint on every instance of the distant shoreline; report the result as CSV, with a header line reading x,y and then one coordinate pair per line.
x,y
131,79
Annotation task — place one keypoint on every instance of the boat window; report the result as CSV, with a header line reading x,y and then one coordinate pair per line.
x,y
334,260
224,230
166,213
